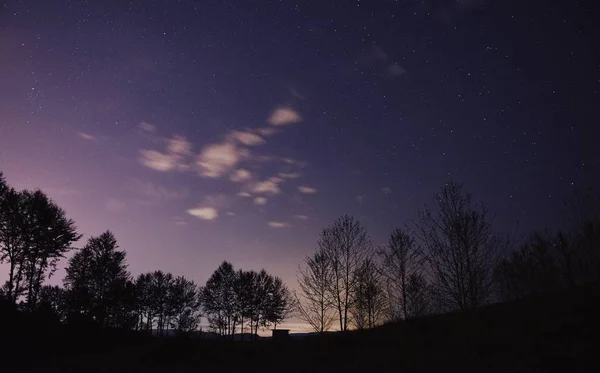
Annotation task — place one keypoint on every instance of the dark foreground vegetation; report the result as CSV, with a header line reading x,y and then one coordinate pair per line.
x,y
549,332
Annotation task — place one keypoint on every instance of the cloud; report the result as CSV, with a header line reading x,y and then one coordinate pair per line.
x,y
204,213
244,194
86,136
260,201
230,213
294,92
215,160
240,175
176,157
294,162
307,190
115,205
147,127
278,224
157,161
283,116
396,70
178,220
157,192
360,199
246,138
386,190
269,186
289,175
266,131
300,217
179,145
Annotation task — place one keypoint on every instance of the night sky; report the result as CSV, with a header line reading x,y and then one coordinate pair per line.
x,y
203,131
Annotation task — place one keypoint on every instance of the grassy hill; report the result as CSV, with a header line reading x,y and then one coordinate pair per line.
x,y
550,332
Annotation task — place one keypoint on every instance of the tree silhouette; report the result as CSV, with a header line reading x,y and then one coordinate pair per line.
x,y
185,303
369,296
345,244
13,239
314,304
280,303
96,278
219,300
461,248
245,293
34,235
418,294
400,259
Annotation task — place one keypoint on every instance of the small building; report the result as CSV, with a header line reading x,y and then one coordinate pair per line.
x,y
281,334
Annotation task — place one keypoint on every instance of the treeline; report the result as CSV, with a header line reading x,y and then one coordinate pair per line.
x,y
449,258
99,291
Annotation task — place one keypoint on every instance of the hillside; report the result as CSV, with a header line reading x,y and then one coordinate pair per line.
x,y
528,335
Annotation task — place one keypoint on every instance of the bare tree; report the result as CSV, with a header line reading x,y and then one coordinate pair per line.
x,y
314,306
417,295
461,248
400,259
369,296
345,244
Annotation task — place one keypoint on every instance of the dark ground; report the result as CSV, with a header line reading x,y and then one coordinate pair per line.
x,y
554,332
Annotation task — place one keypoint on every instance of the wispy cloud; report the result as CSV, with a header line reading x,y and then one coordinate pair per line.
x,y
244,194
278,224
300,217
179,145
294,92
307,190
115,205
283,116
230,213
267,131
240,175
246,138
396,70
204,213
86,136
215,160
386,190
260,201
176,157
289,175
269,186
178,220
144,126
156,192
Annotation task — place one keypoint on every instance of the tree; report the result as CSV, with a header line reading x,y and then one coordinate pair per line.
x,y
345,244
417,295
245,289
161,285
219,300
185,303
369,296
314,304
12,239
461,248
280,303
400,259
52,301
96,277
34,235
